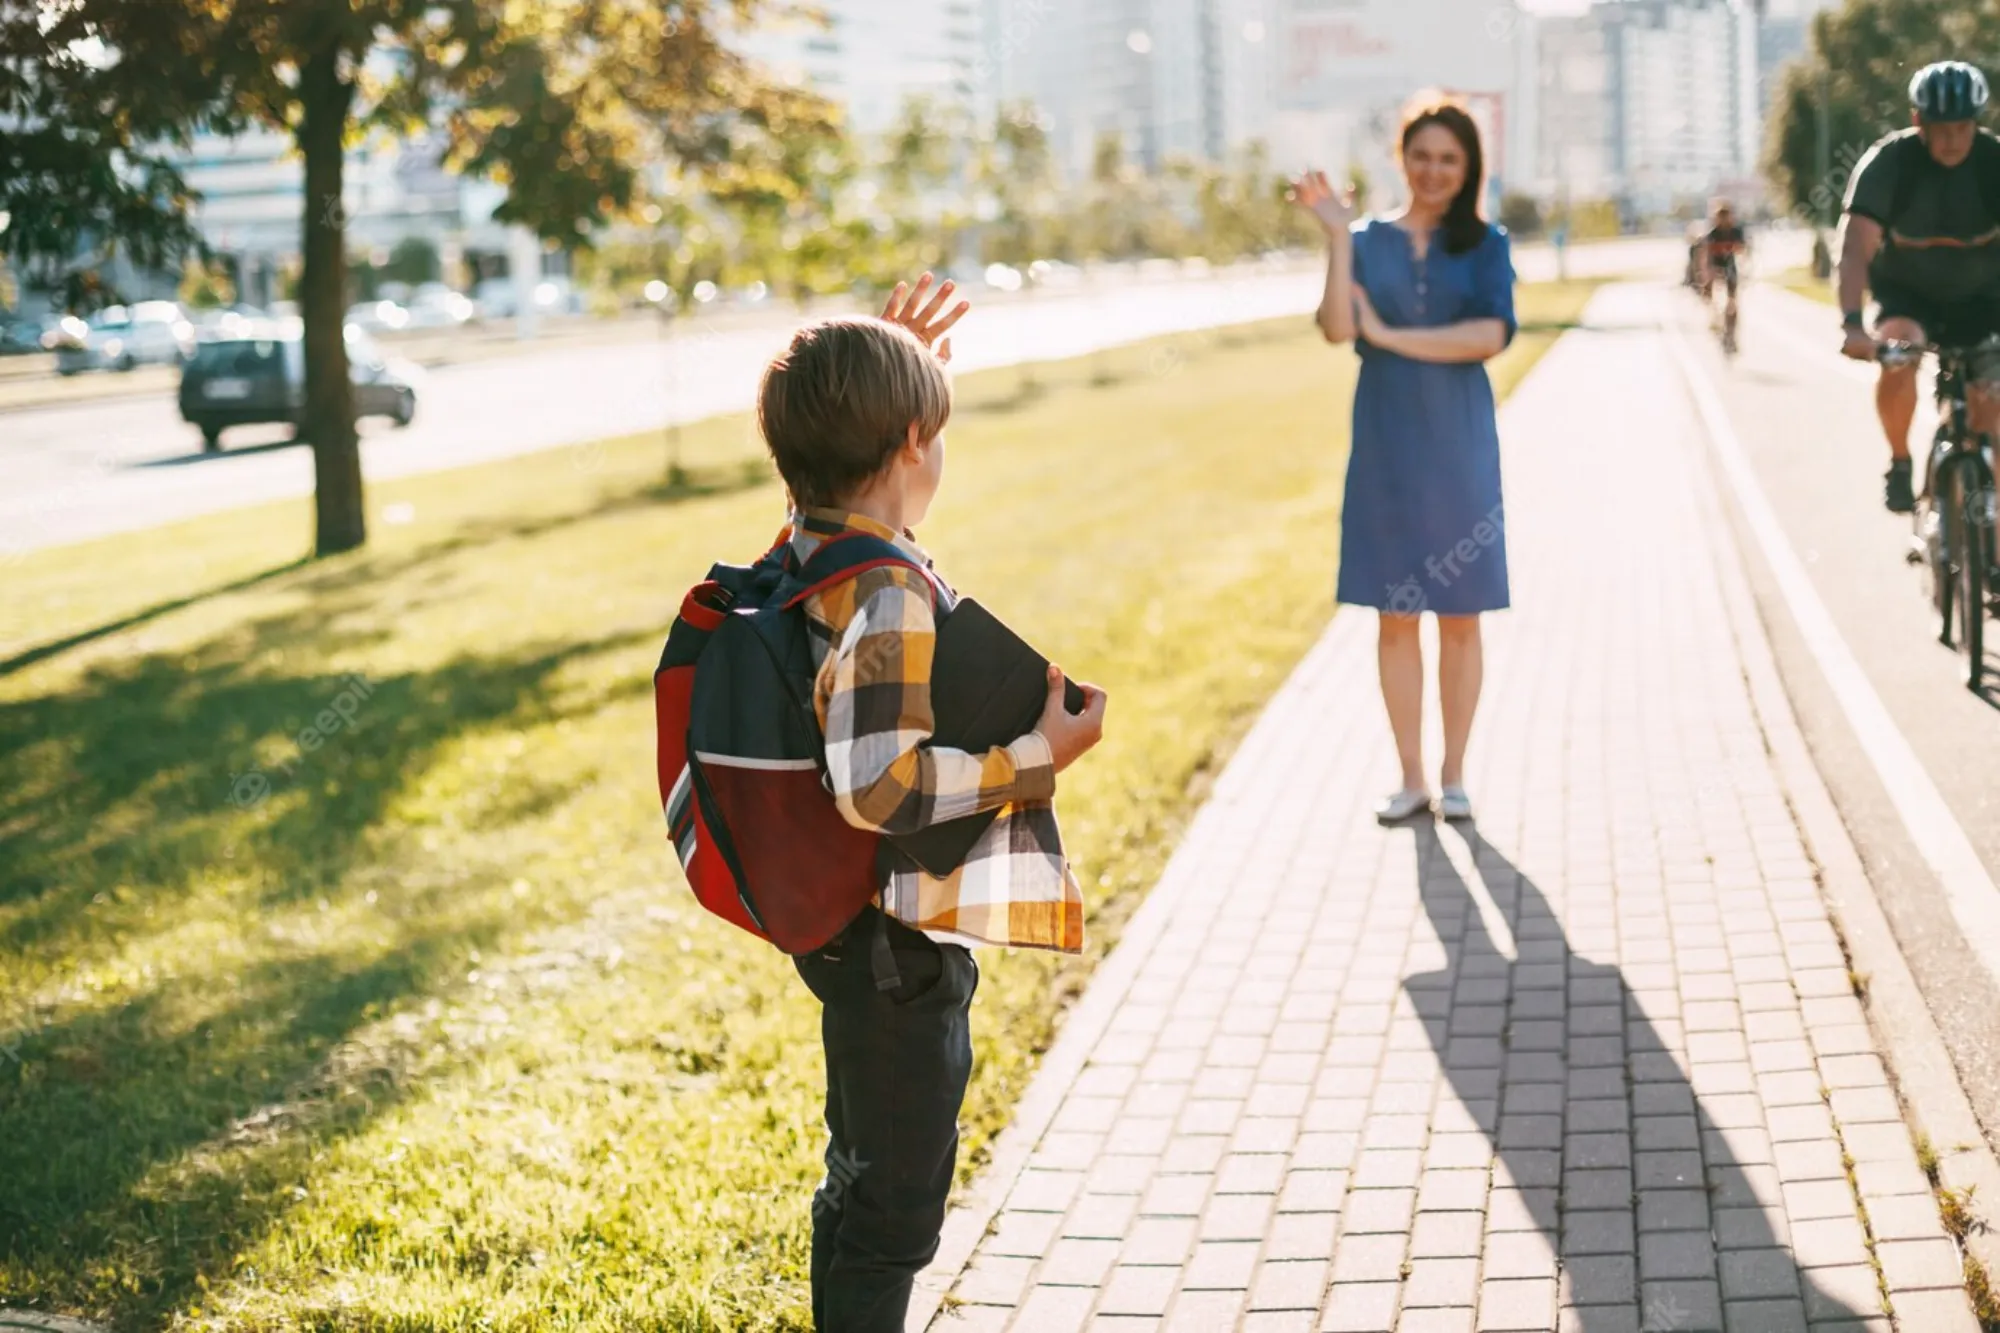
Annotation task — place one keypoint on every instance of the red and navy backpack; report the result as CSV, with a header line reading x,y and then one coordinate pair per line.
x,y
742,760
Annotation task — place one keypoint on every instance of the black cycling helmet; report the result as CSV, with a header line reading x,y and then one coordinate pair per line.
x,y
1949,90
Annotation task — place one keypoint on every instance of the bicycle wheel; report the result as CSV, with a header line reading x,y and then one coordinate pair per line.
x,y
1974,553
1949,552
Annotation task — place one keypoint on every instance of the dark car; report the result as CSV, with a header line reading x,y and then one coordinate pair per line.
x,y
257,375
21,335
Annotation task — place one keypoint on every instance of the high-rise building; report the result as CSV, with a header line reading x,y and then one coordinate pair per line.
x,y
1783,27
1579,150
1780,40
1317,81
1655,103
872,56
1339,73
252,203
1144,73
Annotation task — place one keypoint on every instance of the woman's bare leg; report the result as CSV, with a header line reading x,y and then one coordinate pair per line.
x,y
1461,671
1399,656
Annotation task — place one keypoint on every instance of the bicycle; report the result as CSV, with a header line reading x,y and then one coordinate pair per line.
x,y
1728,274
1954,519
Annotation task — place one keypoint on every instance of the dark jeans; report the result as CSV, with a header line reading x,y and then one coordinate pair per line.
x,y
897,1062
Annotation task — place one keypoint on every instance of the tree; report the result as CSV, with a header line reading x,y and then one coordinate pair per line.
x,y
205,286
1520,214
413,260
86,162
921,168
1114,213
785,195
1859,62
1019,171
565,102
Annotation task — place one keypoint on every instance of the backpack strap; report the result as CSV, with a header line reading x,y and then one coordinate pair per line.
x,y
838,559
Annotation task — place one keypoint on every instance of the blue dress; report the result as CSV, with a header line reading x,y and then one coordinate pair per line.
x,y
1422,528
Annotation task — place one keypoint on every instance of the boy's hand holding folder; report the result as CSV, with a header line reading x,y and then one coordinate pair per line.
x,y
1072,720
989,688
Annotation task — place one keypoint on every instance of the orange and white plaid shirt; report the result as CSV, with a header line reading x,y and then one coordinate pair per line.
x,y
873,638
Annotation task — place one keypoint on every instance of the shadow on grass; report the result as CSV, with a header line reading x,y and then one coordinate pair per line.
x,y
148,774
699,483
144,1153
169,794
43,652
1029,391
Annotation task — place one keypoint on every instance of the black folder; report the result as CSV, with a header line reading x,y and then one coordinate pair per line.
x,y
987,689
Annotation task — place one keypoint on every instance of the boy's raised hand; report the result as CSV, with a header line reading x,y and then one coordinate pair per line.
x,y
906,307
1071,735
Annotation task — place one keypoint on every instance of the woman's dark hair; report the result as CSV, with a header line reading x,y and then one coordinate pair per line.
x,y
1464,228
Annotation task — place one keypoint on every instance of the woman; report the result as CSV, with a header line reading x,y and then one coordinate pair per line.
x,y
1428,295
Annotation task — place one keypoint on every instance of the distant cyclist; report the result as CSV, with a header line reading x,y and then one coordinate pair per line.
x,y
1923,234
1721,246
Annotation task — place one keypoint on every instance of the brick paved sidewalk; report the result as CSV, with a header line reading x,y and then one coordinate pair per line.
x,y
1594,1065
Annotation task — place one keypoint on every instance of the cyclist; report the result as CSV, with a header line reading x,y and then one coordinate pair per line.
x,y
1923,234
1721,245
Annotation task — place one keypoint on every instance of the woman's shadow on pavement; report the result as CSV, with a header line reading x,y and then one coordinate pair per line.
x,y
1618,1165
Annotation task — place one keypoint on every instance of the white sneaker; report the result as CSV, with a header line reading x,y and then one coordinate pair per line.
x,y
1453,803
1404,804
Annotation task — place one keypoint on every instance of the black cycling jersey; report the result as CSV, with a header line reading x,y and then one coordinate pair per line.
x,y
1940,225
1724,243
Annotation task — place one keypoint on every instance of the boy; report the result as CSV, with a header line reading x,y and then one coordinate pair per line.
x,y
854,413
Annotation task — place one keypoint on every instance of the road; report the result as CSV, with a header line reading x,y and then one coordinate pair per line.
x,y
76,471
1911,757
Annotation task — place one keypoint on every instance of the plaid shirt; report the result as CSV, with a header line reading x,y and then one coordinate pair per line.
x,y
873,638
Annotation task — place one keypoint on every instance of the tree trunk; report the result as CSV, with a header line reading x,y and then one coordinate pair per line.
x,y
324,100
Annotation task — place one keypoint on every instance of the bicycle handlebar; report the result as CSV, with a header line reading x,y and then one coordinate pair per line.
x,y
1895,354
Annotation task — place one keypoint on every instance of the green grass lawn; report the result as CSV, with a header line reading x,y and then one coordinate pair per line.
x,y
346,977
1802,281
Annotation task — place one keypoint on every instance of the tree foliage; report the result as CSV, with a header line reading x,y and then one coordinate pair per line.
x,y
1521,214
568,103
86,152
1859,60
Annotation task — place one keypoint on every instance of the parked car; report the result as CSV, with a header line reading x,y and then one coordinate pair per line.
x,y
379,316
22,334
120,337
436,306
260,377
497,298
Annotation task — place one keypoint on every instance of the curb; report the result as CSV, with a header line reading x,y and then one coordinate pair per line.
x,y
1920,1066
967,1223
1105,989
27,1320
971,1216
